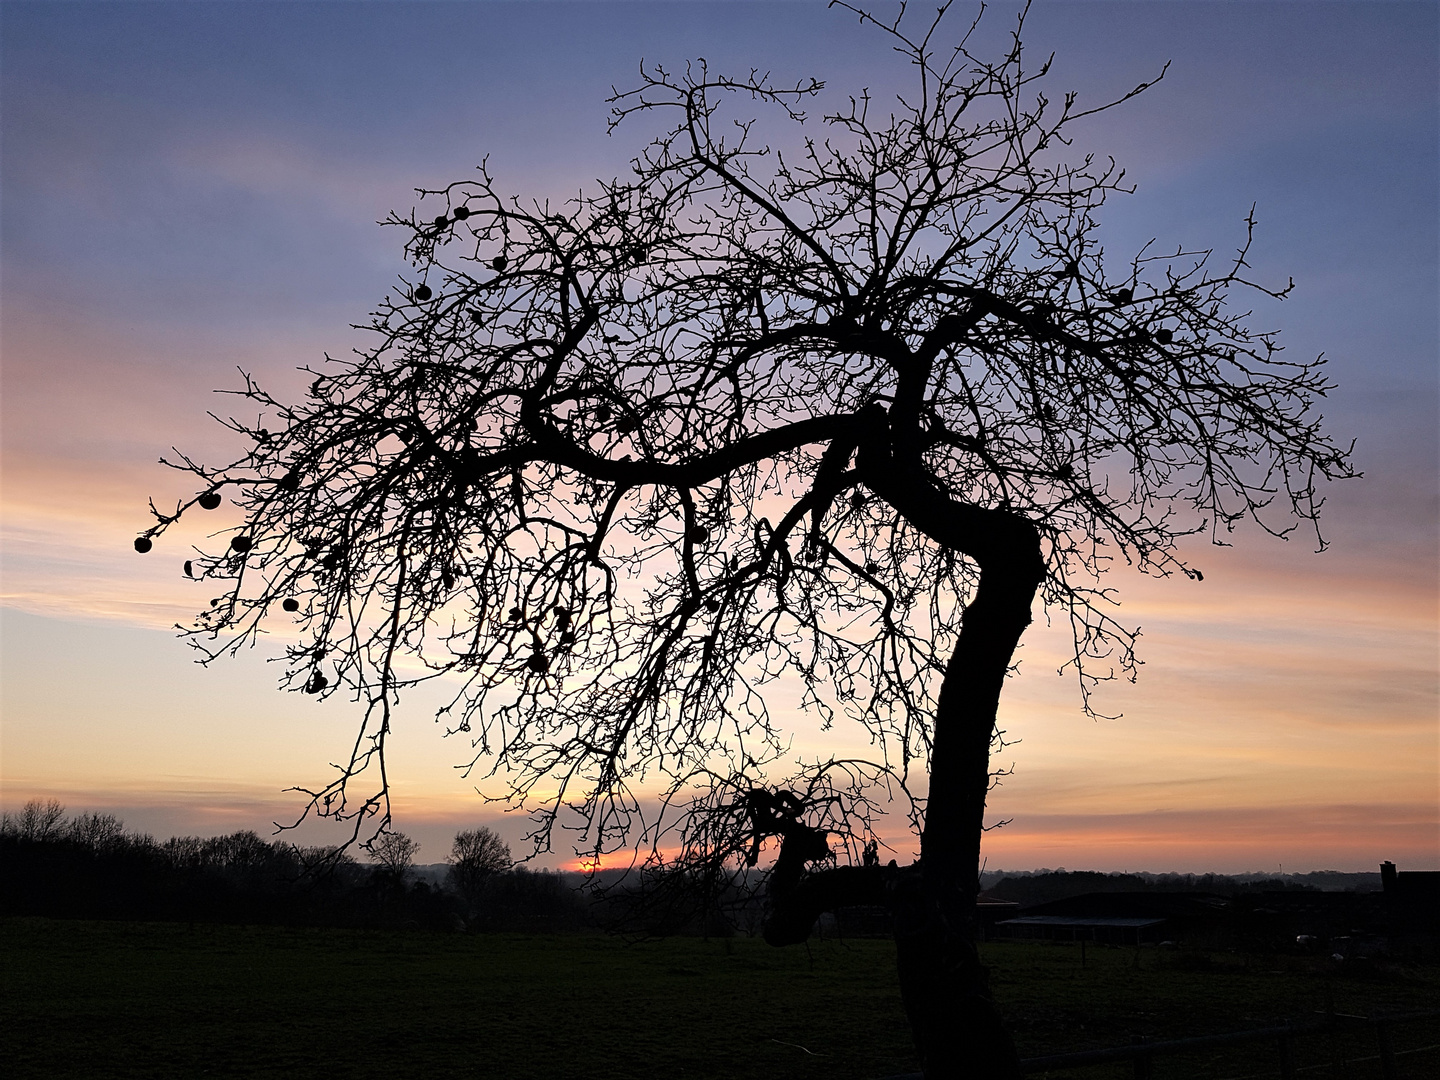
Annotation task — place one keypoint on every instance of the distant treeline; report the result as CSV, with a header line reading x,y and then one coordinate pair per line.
x,y
90,866
1041,886
1044,886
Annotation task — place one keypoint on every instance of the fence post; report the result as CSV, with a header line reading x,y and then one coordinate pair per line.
x,y
1143,1061
1287,1057
1332,1029
1387,1051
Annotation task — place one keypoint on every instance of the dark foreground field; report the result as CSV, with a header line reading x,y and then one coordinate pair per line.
x,y
97,1000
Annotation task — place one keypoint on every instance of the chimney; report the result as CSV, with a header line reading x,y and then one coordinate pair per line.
x,y
1387,876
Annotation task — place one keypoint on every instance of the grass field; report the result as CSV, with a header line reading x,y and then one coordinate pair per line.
x,y
101,1000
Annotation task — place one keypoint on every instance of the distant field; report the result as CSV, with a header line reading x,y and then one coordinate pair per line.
x,y
101,1000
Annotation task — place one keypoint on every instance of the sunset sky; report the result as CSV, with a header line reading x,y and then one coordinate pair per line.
x,y
189,189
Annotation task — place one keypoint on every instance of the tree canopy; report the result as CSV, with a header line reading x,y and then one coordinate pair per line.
x,y
757,410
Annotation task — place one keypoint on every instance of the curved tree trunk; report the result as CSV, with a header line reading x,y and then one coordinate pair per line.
x,y
945,989
957,1029
944,986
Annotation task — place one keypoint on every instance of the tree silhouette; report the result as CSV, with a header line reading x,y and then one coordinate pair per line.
x,y
37,822
833,411
476,855
394,854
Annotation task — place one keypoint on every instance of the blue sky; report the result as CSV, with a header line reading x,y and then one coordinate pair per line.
x,y
188,188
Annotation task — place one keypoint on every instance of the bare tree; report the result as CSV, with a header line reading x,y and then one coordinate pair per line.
x,y
476,855
394,854
98,832
835,414
38,820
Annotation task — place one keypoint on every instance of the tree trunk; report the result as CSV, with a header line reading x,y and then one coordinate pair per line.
x,y
943,984
944,987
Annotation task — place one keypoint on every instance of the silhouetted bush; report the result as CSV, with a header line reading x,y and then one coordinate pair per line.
x,y
533,901
662,902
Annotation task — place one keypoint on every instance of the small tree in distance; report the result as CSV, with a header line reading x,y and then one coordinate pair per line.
x,y
98,832
837,414
476,855
394,854
37,821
